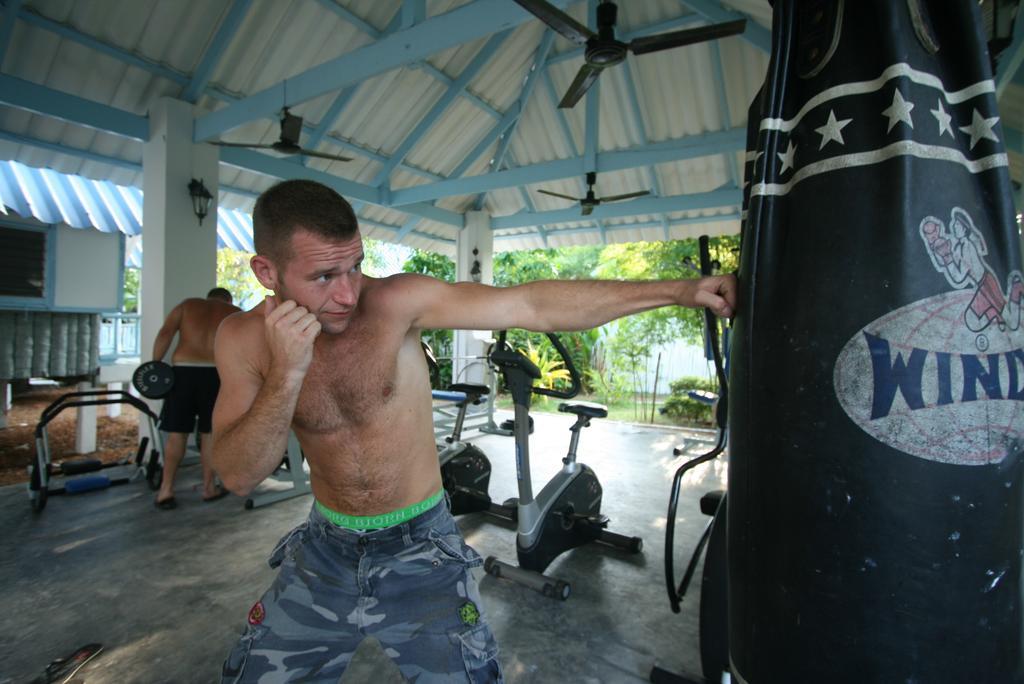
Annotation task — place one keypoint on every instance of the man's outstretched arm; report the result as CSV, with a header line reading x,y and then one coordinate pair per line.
x,y
557,305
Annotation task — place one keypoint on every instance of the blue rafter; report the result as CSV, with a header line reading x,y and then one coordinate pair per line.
x,y
638,121
563,121
732,216
77,110
728,197
330,117
593,118
278,168
465,94
7,26
528,202
509,118
755,34
413,12
31,17
426,123
461,25
1010,60
690,147
536,68
225,33
723,105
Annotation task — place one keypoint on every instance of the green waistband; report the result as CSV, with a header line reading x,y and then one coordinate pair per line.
x,y
376,522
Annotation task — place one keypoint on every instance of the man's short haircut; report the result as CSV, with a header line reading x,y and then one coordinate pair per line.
x,y
220,293
299,204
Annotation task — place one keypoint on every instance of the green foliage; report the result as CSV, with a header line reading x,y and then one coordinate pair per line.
x,y
130,303
680,405
553,372
234,273
431,264
441,341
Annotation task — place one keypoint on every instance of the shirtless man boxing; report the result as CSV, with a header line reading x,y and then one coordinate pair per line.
x,y
335,356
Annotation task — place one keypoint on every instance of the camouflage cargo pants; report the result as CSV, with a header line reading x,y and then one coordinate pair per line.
x,y
408,585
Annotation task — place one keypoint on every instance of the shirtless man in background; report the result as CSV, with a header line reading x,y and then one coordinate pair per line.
x,y
195,386
335,356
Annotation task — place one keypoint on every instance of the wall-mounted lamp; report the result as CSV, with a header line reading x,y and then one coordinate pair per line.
x,y
201,198
474,272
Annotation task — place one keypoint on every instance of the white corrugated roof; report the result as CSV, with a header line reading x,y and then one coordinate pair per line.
x,y
126,55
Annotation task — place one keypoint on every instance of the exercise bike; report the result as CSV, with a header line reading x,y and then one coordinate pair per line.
x,y
465,469
713,620
567,511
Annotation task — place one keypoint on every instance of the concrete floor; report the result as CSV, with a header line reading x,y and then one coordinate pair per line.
x,y
167,593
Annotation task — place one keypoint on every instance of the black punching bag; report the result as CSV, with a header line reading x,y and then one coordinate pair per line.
x,y
875,489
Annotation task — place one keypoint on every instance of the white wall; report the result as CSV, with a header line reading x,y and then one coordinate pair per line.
x,y
88,269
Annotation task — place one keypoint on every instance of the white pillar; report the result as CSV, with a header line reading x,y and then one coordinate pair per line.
x,y
179,257
85,425
114,410
469,343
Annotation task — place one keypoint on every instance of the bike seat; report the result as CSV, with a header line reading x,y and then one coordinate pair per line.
x,y
584,408
469,389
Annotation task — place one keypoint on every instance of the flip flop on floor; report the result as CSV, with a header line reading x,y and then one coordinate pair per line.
x,y
221,493
167,504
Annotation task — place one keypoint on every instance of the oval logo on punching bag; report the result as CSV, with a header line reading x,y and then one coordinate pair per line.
x,y
943,378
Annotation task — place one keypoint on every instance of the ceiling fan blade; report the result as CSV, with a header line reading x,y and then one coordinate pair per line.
x,y
588,209
628,195
253,146
325,155
558,194
674,39
585,78
558,20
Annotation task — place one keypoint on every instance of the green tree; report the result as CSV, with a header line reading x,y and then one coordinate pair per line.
x,y
234,273
130,303
441,341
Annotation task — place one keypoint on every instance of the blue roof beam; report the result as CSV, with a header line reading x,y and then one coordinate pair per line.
x,y
33,97
31,17
413,12
730,197
496,131
7,26
427,122
690,147
713,11
278,168
330,117
529,83
461,25
465,94
1010,60
225,33
733,216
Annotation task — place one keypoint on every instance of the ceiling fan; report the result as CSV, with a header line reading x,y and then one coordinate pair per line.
x,y
603,50
590,201
288,143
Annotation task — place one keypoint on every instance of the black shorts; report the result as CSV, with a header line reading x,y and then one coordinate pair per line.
x,y
193,395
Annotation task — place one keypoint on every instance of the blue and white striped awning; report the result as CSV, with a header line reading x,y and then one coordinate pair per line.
x,y
80,202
